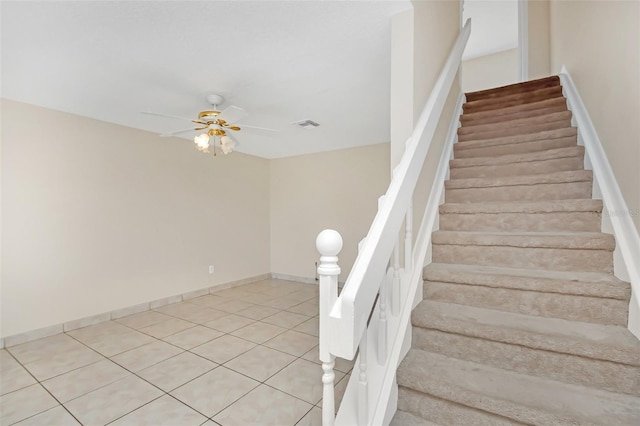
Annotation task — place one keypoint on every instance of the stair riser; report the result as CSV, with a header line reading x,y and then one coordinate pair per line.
x,y
530,120
554,259
474,120
519,169
445,412
514,130
557,366
522,222
461,151
512,100
554,305
547,191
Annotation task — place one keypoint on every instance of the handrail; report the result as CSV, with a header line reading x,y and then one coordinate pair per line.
x,y
343,319
361,287
626,234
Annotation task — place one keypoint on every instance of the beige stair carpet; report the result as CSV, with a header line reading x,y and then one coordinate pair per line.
x,y
523,321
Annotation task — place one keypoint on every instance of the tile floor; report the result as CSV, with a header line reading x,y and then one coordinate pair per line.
x,y
242,356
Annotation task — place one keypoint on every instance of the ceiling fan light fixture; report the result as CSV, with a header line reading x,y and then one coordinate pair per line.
x,y
202,142
227,144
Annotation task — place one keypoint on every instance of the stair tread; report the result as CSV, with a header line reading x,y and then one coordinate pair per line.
x,y
528,399
509,98
526,121
565,240
532,106
514,139
593,284
404,418
519,130
546,206
550,81
605,342
507,159
556,177
533,111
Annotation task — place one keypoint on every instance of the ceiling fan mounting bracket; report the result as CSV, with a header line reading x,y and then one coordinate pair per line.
x,y
215,99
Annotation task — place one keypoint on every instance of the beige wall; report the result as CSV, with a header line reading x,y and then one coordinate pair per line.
x,y
402,92
539,43
309,193
599,42
485,72
436,27
97,217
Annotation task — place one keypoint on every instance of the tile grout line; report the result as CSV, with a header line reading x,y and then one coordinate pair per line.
x,y
204,306
38,382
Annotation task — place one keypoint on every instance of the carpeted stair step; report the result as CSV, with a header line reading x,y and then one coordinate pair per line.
x,y
556,120
523,87
551,186
531,117
586,354
477,120
511,100
566,251
514,112
404,418
553,160
523,216
456,392
578,296
517,144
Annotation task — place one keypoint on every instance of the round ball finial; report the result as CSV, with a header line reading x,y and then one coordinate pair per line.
x,y
329,242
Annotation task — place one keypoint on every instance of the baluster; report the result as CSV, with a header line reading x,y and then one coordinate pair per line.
x,y
408,240
329,244
363,385
382,324
395,287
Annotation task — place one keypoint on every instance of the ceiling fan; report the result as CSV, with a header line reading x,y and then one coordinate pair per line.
x,y
215,124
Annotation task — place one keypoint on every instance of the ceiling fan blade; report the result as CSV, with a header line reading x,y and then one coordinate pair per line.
x,y
232,114
246,126
166,135
167,116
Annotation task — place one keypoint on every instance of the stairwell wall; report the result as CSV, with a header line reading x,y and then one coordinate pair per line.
x,y
436,27
497,69
599,42
539,59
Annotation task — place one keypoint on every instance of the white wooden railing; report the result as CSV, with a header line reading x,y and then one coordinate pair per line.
x,y
371,314
617,218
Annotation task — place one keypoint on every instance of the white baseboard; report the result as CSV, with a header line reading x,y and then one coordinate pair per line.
x,y
40,333
308,280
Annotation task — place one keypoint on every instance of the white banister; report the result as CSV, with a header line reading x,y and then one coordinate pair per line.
x,y
329,244
371,315
360,289
620,216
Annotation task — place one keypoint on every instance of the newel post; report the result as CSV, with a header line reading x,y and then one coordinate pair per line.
x,y
329,244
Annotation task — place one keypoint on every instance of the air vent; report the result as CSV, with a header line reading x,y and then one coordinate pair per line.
x,y
306,124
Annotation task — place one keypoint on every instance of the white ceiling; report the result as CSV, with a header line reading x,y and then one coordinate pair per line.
x,y
282,61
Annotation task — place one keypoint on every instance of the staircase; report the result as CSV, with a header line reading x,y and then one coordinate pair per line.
x,y
522,320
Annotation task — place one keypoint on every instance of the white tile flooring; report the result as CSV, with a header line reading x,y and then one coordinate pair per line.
x,y
242,356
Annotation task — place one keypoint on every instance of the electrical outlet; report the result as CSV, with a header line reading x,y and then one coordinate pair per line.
x,y
211,269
